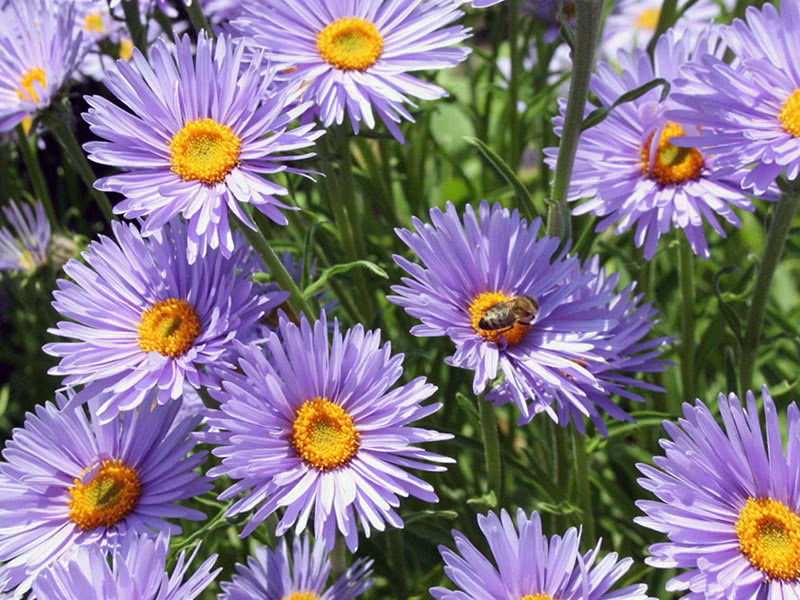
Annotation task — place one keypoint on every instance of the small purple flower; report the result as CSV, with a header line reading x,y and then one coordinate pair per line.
x,y
630,167
573,350
25,245
531,566
200,133
68,481
728,503
354,56
318,430
39,50
749,111
303,575
145,319
136,572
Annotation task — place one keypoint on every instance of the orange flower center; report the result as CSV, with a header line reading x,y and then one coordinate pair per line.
x,y
107,498
672,164
204,150
323,434
169,328
790,114
648,18
94,22
769,536
536,597
481,305
301,596
26,89
350,44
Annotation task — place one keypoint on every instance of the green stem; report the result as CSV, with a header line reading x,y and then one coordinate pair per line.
x,y
776,238
396,552
59,122
198,19
584,489
515,150
135,28
338,556
666,19
587,30
31,159
276,269
686,272
562,469
491,447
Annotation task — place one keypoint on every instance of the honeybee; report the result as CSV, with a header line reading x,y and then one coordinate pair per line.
x,y
504,315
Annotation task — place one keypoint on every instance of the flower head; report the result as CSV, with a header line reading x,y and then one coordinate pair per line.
x,y
145,319
136,572
727,502
531,566
200,133
317,429
302,575
749,111
86,483
355,57
631,166
24,246
39,49
570,351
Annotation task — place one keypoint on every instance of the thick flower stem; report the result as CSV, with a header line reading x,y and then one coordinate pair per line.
x,y
584,488
199,20
31,160
515,150
776,238
491,447
277,270
395,543
59,122
587,30
134,23
686,272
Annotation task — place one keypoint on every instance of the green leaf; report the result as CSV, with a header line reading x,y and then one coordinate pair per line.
x,y
599,114
501,167
341,268
485,502
449,515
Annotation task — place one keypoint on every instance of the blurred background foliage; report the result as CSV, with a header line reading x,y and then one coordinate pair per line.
x,y
391,183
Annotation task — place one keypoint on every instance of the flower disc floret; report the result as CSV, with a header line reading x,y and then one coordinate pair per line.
x,y
672,164
790,114
169,327
537,597
204,150
769,536
26,89
105,499
301,596
323,434
350,43
478,308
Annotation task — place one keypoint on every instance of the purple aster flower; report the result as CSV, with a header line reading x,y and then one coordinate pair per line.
x,y
316,430
354,56
531,566
572,346
302,576
136,572
728,503
86,483
749,111
629,167
39,49
24,245
199,135
145,319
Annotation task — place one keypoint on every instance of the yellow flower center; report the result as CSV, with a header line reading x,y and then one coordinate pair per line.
x,y
204,150
26,89
672,164
125,49
301,596
536,597
480,305
168,328
769,536
350,43
648,19
107,498
323,434
790,114
94,22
